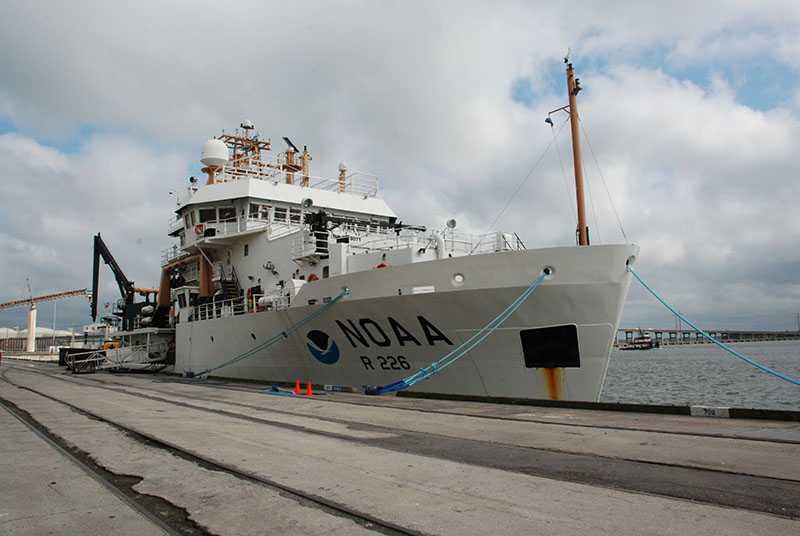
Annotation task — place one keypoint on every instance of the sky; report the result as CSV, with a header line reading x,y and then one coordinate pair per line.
x,y
690,113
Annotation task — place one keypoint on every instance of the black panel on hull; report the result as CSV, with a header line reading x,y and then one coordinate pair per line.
x,y
551,347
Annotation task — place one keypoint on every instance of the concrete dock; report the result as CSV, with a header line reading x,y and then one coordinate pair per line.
x,y
142,454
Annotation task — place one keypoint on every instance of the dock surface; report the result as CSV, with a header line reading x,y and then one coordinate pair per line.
x,y
144,454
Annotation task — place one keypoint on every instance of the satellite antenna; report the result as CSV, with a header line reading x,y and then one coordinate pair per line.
x,y
290,144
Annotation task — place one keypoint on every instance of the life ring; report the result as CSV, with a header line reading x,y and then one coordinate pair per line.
x,y
382,265
312,278
199,229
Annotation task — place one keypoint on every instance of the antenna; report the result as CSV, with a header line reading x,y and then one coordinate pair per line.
x,y
290,144
30,293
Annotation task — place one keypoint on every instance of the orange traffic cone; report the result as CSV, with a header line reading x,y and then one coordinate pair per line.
x,y
297,390
308,390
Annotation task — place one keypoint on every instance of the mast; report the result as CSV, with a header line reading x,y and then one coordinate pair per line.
x,y
573,87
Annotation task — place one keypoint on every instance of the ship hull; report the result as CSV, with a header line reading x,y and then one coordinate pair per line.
x,y
396,320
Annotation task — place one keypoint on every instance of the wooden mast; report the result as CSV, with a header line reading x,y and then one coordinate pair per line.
x,y
573,87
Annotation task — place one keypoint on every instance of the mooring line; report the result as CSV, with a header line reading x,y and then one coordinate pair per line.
x,y
709,337
282,335
485,331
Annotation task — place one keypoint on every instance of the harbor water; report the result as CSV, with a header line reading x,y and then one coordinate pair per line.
x,y
706,375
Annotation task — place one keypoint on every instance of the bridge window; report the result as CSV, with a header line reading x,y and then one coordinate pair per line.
x,y
226,214
188,219
208,214
259,212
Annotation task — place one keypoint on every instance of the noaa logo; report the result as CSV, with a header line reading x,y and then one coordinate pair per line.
x,y
322,347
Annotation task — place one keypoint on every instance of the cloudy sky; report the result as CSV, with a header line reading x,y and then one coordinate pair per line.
x,y
690,111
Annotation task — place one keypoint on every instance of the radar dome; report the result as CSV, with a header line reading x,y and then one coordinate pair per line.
x,y
214,153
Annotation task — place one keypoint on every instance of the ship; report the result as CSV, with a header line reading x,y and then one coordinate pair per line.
x,y
642,341
283,277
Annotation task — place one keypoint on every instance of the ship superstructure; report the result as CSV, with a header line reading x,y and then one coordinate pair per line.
x,y
256,235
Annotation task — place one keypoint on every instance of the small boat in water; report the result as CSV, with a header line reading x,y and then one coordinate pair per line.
x,y
643,341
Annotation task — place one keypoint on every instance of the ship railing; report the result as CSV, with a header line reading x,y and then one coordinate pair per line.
x,y
171,254
221,308
357,183
310,244
217,272
133,355
281,229
271,168
232,227
175,224
87,361
496,242
191,272
384,239
270,302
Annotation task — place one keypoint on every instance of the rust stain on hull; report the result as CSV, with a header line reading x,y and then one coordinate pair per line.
x,y
552,378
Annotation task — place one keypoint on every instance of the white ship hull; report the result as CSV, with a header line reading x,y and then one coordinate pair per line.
x,y
399,319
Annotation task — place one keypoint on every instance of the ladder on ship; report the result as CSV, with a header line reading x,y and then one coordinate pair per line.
x,y
231,291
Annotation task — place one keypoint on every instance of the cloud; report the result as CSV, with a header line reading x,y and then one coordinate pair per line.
x,y
110,102
56,202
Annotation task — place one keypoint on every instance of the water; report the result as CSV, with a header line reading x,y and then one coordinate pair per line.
x,y
706,375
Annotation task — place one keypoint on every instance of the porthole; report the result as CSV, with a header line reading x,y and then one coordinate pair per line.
x,y
253,335
212,338
458,280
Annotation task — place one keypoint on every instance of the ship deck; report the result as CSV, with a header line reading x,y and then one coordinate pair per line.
x,y
127,453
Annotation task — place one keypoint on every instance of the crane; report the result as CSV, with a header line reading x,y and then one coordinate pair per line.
x,y
42,299
128,309
31,347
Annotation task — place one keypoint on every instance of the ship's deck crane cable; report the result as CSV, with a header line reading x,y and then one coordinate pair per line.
x,y
563,169
588,184
603,180
510,199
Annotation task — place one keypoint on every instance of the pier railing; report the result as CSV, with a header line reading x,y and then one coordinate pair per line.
x,y
691,336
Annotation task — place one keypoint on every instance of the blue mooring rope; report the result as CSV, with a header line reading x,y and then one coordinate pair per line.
x,y
712,339
485,331
282,335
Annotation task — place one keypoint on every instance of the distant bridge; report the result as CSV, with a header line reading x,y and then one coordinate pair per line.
x,y
691,336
